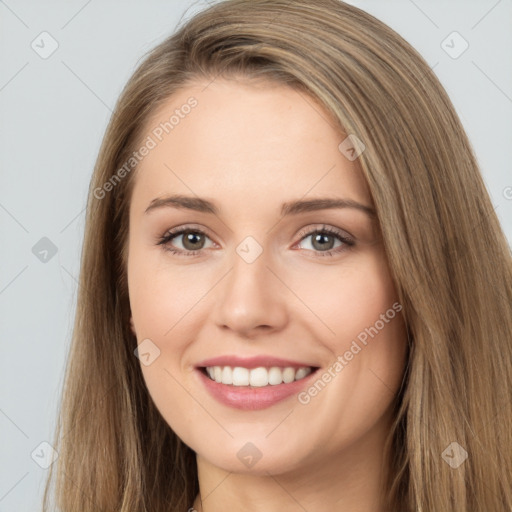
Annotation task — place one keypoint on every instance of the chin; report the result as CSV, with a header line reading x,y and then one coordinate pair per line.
x,y
258,458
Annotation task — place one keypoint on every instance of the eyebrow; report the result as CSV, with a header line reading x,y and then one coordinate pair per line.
x,y
290,208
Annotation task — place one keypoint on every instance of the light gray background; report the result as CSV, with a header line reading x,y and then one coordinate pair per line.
x,y
53,113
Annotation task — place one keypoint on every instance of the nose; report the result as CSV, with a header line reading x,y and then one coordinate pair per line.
x,y
251,300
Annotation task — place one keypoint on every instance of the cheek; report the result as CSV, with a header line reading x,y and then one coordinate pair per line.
x,y
161,297
162,304
371,336
348,299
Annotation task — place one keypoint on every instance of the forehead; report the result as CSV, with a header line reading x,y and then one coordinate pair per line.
x,y
238,141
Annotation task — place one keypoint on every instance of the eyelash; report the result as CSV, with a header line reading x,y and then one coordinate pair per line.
x,y
170,235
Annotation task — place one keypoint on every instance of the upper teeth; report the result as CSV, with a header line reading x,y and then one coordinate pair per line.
x,y
257,377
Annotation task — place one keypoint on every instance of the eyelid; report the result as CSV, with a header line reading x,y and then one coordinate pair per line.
x,y
309,230
325,228
186,227
343,236
179,230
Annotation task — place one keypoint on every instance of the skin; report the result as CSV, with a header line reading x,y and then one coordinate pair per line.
x,y
249,147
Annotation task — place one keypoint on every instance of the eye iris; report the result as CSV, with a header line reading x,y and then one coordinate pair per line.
x,y
191,240
320,237
191,237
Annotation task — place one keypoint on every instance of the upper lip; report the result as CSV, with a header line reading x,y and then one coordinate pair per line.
x,y
252,362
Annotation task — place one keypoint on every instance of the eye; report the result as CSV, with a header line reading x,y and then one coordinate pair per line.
x,y
323,239
192,240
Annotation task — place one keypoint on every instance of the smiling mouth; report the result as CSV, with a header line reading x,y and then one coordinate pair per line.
x,y
238,376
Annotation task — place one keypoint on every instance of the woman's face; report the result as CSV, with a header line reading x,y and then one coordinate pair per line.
x,y
267,277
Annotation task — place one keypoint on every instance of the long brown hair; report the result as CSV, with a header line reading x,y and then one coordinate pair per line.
x,y
447,253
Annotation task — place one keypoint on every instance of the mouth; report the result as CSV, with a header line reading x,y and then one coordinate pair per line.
x,y
254,388
239,376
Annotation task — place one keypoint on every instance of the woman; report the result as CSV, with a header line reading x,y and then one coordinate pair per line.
x,y
219,360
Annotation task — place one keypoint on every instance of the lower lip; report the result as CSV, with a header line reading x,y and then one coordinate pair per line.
x,y
252,398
